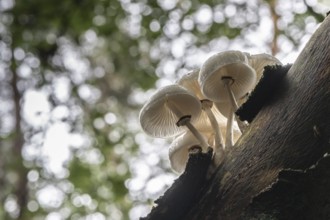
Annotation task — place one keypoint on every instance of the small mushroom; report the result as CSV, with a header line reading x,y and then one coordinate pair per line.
x,y
168,110
259,61
180,149
227,77
190,82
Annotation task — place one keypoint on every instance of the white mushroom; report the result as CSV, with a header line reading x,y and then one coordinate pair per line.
x,y
209,115
179,150
170,108
259,61
190,82
226,77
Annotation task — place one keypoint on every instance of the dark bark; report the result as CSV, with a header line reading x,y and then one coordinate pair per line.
x,y
296,194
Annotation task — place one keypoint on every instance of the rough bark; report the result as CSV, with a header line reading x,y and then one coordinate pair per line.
x,y
292,132
296,194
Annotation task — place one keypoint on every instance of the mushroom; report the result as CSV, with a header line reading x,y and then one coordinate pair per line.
x,y
227,77
168,110
190,82
180,149
259,61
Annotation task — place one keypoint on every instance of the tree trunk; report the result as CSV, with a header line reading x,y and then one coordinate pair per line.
x,y
21,190
291,132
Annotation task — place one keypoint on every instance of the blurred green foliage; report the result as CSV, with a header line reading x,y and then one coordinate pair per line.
x,y
92,60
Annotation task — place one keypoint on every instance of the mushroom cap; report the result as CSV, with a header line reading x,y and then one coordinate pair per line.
x,y
228,64
158,120
259,61
190,82
179,150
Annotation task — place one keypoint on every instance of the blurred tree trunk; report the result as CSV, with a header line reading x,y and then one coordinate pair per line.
x,y
20,188
287,137
276,31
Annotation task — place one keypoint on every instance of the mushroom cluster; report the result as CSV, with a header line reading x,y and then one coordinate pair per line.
x,y
198,111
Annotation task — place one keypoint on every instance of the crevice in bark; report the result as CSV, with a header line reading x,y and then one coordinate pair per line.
x,y
296,194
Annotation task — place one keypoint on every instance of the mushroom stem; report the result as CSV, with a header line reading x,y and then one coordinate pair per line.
x,y
229,131
185,121
219,152
206,106
227,81
242,126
